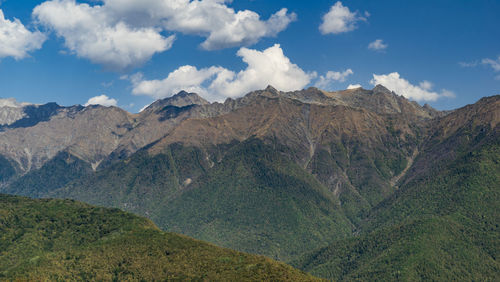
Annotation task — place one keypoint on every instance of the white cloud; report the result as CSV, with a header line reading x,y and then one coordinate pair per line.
x,y
494,64
354,86
126,33
325,81
187,78
378,45
15,40
401,86
102,100
268,67
222,26
468,64
447,93
90,32
12,103
426,85
340,19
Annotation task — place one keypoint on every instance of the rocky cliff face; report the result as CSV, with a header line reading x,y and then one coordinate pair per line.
x,y
11,111
9,115
89,133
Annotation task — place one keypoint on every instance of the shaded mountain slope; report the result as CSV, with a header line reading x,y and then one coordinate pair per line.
x,y
442,224
67,240
54,174
456,171
258,201
428,248
254,199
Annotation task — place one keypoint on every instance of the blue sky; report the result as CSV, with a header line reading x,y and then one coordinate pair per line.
x,y
445,53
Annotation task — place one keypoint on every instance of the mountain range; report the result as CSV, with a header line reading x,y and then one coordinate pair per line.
x,y
347,185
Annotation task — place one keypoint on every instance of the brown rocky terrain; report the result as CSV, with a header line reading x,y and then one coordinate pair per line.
x,y
356,142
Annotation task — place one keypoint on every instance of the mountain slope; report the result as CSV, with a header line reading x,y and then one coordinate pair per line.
x,y
253,200
67,240
89,134
428,248
201,176
257,201
443,222
54,174
353,151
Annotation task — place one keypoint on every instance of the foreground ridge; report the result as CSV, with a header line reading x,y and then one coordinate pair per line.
x,y
68,240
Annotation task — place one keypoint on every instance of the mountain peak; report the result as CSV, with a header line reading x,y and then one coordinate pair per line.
x,y
186,98
181,99
271,89
381,88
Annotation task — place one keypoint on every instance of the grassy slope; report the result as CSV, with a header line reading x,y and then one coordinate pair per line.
x,y
62,239
443,225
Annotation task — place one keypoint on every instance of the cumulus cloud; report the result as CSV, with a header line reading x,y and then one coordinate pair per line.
x,y
90,32
326,81
12,103
102,100
221,25
340,19
401,86
15,40
378,45
126,33
267,67
354,86
187,78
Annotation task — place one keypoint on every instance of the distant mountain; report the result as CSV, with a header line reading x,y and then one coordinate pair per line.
x,y
67,240
282,174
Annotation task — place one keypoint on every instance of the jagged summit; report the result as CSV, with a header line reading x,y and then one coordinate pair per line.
x,y
382,89
180,99
271,89
11,111
15,115
37,123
